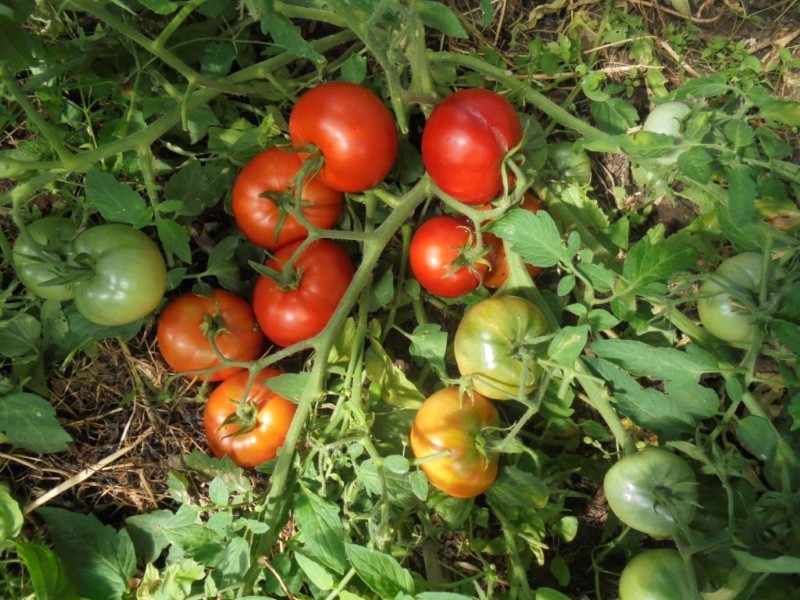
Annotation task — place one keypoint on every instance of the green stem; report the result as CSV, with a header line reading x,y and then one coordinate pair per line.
x,y
176,22
279,497
520,588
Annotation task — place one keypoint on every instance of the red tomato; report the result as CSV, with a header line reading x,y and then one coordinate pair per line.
x,y
259,217
448,423
439,257
498,265
354,131
263,421
298,312
465,141
183,340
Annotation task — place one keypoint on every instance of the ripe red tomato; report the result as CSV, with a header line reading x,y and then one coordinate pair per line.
x,y
298,312
448,423
258,216
439,257
265,418
183,328
465,141
354,131
498,265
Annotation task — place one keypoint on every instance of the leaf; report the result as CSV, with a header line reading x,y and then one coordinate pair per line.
x,y
286,34
146,532
535,237
116,201
741,194
389,381
217,59
787,333
46,572
317,575
162,7
99,559
756,564
702,87
615,115
647,144
381,293
19,336
785,112
322,530
739,134
198,186
174,239
381,572
222,263
29,421
429,343
645,360
695,163
354,69
518,493
567,345
10,516
288,385
441,18
649,261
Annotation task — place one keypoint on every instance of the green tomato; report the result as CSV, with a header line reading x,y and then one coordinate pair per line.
x,y
570,163
721,308
653,491
127,278
656,575
492,346
666,119
37,256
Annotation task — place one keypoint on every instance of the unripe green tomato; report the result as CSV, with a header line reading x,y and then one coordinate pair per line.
x,y
35,256
656,575
666,119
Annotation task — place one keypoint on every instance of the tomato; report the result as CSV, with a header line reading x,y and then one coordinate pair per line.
x,y
569,163
441,256
126,274
297,311
448,423
493,346
258,216
667,119
37,256
656,575
498,265
353,130
465,141
187,320
724,297
653,491
247,429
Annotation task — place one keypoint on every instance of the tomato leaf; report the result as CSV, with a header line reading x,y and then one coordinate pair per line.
x,y
429,343
29,421
288,385
318,575
47,573
322,531
695,163
116,202
567,345
615,115
391,384
100,559
286,34
10,516
741,194
645,360
518,493
535,237
381,572
653,259
786,112
441,18
174,239
20,335
702,87
758,564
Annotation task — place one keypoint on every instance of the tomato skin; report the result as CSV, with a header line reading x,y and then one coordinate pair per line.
x,y
129,274
434,255
46,235
274,416
656,575
465,141
289,316
182,339
637,485
447,422
258,217
497,274
488,346
570,164
353,130
719,311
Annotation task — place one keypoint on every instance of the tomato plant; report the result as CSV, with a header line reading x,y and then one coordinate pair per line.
x,y
257,208
125,274
37,256
442,257
448,424
666,119
353,130
494,346
247,425
187,322
465,142
569,163
497,274
294,311
728,297
653,491
658,574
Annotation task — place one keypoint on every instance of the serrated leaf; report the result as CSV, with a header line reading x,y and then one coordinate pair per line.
x,y
174,239
380,572
286,34
739,134
100,559
702,87
116,202
288,385
785,112
567,345
47,573
615,115
787,333
222,263
20,336
318,575
519,493
217,59
535,237
146,532
419,484
441,18
645,360
647,144
394,387
650,261
741,194
29,421
198,186
695,163
429,343
322,530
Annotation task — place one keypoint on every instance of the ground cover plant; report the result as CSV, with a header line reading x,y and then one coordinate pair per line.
x,y
363,299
